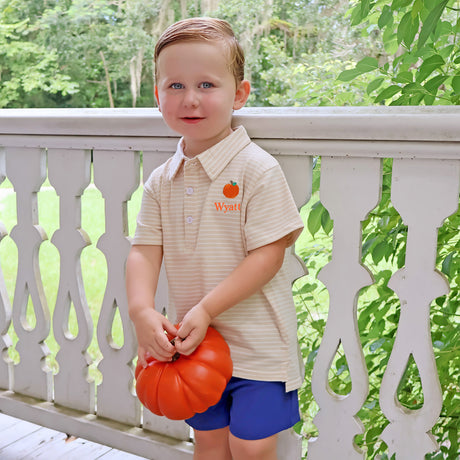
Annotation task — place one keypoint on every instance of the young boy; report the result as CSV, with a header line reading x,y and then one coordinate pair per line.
x,y
221,215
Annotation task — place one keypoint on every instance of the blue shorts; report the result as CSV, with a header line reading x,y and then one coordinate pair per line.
x,y
252,410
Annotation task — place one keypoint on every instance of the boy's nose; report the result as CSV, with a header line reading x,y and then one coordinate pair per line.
x,y
191,99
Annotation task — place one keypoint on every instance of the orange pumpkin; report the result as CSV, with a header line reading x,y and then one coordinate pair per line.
x,y
187,385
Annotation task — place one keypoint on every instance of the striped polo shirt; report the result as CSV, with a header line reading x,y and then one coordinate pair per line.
x,y
208,212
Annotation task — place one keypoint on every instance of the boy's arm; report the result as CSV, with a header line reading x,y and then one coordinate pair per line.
x,y
142,272
254,272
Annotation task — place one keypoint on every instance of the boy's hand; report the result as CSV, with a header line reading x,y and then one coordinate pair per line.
x,y
192,330
150,330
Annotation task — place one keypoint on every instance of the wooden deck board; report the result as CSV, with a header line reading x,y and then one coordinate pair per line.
x,y
21,440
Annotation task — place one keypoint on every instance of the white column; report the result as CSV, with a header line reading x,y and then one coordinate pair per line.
x,y
350,189
6,364
69,173
424,192
116,174
298,172
26,169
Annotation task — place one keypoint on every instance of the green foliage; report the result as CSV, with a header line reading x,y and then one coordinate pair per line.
x,y
97,53
43,73
76,54
94,53
420,63
295,51
383,253
311,80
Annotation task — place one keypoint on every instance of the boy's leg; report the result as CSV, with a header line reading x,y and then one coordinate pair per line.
x,y
212,445
259,449
245,423
211,431
260,410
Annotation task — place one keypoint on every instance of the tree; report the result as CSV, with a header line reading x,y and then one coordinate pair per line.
x,y
104,46
92,53
86,53
104,49
292,49
422,51
28,70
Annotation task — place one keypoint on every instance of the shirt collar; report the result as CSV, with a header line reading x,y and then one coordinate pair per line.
x,y
176,161
216,158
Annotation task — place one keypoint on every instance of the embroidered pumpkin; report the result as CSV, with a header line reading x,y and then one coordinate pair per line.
x,y
231,190
187,385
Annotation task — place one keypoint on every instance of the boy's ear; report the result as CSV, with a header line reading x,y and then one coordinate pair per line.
x,y
157,98
242,94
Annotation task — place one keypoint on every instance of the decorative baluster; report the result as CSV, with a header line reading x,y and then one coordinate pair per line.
x,y
424,192
116,174
6,364
72,386
26,168
350,188
298,172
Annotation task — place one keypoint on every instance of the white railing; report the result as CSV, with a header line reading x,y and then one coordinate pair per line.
x,y
60,144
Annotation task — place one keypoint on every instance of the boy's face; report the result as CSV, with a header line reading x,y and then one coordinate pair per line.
x,y
197,93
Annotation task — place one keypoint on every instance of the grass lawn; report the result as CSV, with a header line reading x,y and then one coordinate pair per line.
x,y
94,268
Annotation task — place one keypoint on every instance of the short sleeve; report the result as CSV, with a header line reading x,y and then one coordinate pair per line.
x,y
149,228
271,212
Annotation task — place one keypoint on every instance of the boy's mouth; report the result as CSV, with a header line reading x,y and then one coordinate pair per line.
x,y
192,119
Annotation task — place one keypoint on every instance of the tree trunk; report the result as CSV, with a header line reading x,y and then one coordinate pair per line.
x,y
107,80
135,71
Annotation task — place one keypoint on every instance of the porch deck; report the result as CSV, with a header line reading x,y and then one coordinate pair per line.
x,y
22,440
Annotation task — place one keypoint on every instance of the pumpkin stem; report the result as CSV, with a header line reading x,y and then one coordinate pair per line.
x,y
177,354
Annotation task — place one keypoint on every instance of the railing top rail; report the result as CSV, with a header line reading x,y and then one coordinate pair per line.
x,y
428,124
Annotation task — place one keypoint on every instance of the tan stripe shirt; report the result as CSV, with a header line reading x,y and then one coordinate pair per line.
x,y
207,212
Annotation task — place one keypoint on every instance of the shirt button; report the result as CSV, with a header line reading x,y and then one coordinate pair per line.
x,y
189,190
189,219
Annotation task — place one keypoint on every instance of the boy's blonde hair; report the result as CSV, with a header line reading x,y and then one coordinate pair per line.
x,y
204,29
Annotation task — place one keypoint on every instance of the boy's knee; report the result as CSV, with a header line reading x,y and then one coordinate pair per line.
x,y
259,449
212,445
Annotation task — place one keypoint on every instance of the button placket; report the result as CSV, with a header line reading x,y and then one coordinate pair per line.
x,y
190,197
188,206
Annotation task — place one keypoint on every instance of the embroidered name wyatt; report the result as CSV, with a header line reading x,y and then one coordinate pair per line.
x,y
224,207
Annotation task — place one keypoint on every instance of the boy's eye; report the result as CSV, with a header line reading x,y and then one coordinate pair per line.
x,y
206,85
177,86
